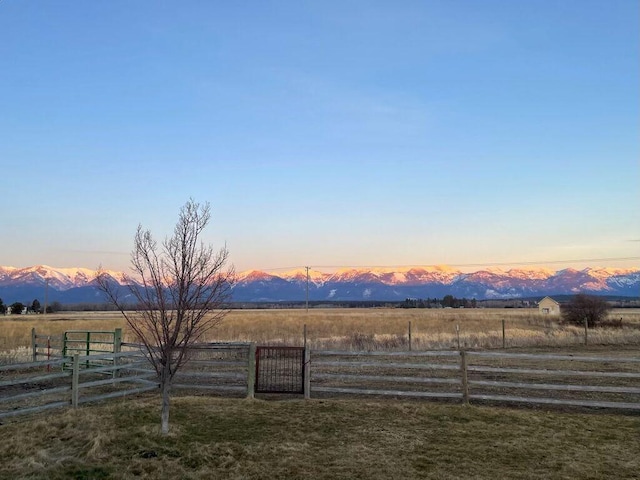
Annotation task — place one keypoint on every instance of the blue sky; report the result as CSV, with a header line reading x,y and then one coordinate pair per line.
x,y
328,133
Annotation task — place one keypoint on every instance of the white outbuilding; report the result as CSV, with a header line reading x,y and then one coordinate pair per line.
x,y
549,306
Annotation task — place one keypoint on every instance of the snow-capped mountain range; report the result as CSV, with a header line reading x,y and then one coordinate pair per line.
x,y
78,285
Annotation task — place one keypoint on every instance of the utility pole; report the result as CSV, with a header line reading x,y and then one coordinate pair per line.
x,y
307,303
46,295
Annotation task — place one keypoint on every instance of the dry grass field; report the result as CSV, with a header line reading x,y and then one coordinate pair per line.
x,y
337,439
355,329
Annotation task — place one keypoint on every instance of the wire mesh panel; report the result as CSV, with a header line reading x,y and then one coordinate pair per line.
x,y
279,370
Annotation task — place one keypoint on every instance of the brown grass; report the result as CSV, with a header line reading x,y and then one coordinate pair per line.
x,y
354,329
388,328
368,439
347,439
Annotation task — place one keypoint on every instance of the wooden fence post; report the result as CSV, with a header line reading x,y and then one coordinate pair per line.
x,y
504,341
409,335
117,340
586,334
307,373
75,380
88,348
34,347
465,380
251,371
117,347
48,352
458,334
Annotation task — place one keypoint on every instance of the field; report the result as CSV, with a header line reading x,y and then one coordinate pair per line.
x,y
345,439
353,438
354,329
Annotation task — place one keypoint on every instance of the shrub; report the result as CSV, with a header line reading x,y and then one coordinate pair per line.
x,y
585,307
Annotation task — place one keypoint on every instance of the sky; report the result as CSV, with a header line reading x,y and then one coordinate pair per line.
x,y
324,134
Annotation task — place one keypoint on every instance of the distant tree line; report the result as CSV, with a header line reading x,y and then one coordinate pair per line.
x,y
17,308
448,301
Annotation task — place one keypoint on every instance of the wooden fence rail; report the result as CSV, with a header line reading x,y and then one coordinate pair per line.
x,y
74,380
612,381
479,376
45,346
229,369
397,374
214,367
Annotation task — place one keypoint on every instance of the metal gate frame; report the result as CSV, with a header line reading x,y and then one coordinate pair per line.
x,y
85,342
282,371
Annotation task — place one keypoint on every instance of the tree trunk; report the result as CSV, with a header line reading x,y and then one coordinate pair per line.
x,y
165,385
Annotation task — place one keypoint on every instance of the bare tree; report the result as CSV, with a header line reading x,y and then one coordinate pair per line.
x,y
180,288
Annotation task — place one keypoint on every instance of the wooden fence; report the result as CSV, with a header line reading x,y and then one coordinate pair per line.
x,y
223,368
564,380
74,380
432,374
46,347
29,390
480,377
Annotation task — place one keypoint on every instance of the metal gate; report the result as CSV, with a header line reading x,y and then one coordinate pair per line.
x,y
279,370
87,343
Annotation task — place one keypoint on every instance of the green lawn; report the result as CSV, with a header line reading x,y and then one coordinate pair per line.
x,y
230,438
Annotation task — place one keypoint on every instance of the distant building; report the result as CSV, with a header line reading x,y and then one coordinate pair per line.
x,y
549,306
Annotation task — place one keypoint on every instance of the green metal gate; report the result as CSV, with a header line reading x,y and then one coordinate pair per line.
x,y
87,343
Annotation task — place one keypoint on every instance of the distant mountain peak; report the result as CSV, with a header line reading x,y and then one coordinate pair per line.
x,y
380,283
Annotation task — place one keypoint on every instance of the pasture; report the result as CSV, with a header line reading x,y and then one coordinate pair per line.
x,y
337,439
366,438
353,329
